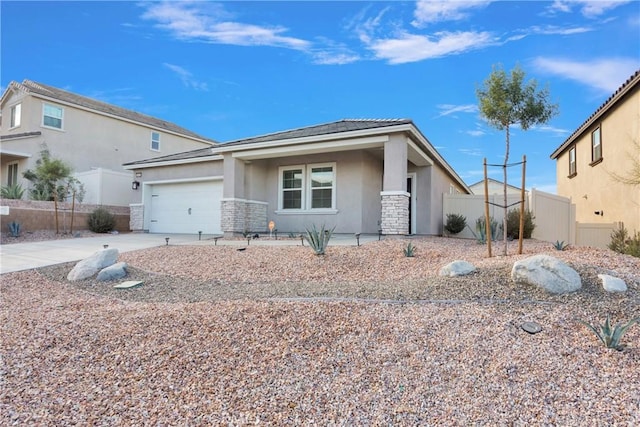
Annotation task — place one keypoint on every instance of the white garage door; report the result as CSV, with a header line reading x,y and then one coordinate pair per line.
x,y
186,207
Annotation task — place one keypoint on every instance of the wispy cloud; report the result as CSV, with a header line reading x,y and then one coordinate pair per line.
x,y
187,78
604,75
588,8
428,11
475,133
559,132
414,47
448,109
211,23
475,152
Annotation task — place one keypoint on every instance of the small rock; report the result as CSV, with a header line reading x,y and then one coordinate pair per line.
x,y
94,263
531,327
612,284
113,272
457,268
546,272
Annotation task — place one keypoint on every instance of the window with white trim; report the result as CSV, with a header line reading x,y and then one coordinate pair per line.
x,y
596,146
155,141
12,175
307,187
16,116
52,116
572,162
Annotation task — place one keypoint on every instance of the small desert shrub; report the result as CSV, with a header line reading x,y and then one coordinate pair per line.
x,y
318,239
455,223
513,224
14,228
621,242
12,192
610,337
560,246
481,226
410,250
101,221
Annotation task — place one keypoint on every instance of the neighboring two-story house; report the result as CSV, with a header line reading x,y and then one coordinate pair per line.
x,y
605,148
93,137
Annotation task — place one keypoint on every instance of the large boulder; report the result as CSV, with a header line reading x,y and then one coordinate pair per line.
x,y
113,272
94,263
612,284
457,268
546,272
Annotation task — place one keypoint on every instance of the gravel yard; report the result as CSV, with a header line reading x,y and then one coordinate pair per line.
x,y
277,335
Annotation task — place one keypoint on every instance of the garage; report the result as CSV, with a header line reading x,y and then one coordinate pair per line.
x,y
185,207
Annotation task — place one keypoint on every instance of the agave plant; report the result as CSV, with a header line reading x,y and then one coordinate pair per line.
x,y
318,239
610,337
409,251
560,246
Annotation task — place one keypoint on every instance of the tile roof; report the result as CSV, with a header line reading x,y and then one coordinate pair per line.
x,y
627,86
32,87
345,125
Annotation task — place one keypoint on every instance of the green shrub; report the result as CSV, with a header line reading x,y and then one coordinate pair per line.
x,y
14,228
318,239
14,191
455,223
622,243
101,221
610,337
409,251
513,224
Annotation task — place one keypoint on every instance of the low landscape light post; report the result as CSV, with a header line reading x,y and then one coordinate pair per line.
x,y
166,239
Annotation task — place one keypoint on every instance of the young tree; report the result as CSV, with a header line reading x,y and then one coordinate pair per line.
x,y
51,176
506,100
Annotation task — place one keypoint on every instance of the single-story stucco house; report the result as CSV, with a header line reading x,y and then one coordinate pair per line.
x,y
357,176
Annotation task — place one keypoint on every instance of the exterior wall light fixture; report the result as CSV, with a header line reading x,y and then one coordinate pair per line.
x,y
135,185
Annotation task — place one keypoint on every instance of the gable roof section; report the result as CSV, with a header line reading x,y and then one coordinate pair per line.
x,y
192,156
54,94
631,83
495,181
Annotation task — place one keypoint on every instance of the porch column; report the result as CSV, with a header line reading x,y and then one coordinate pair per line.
x,y
394,195
233,202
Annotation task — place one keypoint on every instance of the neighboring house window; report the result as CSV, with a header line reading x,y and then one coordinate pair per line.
x,y
16,115
307,187
572,162
155,141
52,116
596,146
12,178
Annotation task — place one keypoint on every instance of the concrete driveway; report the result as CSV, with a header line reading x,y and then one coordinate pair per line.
x,y
26,256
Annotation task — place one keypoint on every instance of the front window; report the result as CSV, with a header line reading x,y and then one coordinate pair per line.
x,y
16,115
155,141
12,178
572,162
307,187
596,146
52,116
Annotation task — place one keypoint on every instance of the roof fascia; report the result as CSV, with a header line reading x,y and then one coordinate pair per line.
x,y
14,153
116,117
312,148
605,109
159,163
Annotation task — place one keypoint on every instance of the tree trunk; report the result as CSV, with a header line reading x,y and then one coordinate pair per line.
x,y
504,220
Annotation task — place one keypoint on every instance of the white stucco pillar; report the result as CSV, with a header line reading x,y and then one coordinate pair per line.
x,y
394,196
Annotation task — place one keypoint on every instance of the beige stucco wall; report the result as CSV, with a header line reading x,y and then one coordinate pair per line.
x,y
88,140
593,188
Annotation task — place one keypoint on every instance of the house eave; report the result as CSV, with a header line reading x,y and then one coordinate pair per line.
x,y
202,159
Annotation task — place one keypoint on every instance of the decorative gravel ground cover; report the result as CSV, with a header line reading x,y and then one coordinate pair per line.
x,y
279,336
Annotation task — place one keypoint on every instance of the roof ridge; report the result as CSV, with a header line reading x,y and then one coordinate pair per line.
x,y
376,120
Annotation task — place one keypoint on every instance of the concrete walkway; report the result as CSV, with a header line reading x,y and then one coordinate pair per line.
x,y
26,256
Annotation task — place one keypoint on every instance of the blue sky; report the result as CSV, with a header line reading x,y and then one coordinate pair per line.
x,y
236,69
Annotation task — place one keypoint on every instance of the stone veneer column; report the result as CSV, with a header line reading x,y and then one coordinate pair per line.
x,y
232,217
136,217
255,216
395,212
